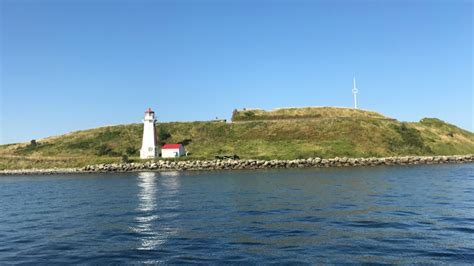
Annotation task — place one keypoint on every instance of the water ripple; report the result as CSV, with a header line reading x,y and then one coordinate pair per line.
x,y
386,215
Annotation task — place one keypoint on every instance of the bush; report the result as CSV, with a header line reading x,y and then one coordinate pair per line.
x,y
104,149
249,114
410,136
83,144
130,151
108,135
163,135
411,140
125,158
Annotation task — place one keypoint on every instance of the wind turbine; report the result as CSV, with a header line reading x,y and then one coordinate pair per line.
x,y
355,91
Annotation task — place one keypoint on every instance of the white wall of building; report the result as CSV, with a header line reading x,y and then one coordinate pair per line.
x,y
173,153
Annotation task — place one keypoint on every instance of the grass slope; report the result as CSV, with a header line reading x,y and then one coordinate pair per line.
x,y
346,133
305,112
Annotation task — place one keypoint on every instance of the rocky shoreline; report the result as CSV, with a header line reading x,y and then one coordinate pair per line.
x,y
165,165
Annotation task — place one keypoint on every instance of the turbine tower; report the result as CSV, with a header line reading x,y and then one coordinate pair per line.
x,y
355,91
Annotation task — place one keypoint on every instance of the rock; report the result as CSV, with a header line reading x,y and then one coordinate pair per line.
x,y
248,164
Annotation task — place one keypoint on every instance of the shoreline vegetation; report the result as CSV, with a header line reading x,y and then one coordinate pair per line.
x,y
166,165
253,134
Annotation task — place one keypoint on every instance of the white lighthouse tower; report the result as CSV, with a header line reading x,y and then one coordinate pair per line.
x,y
149,149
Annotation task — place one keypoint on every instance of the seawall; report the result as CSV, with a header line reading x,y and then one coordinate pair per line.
x,y
166,165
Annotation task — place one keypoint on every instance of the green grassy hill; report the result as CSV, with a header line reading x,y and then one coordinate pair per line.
x,y
301,113
289,134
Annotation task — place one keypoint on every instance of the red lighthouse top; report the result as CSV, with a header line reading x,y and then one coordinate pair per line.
x,y
149,111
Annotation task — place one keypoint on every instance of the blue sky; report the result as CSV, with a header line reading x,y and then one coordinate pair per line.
x,y
71,65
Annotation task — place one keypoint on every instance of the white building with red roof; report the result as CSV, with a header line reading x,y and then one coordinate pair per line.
x,y
172,150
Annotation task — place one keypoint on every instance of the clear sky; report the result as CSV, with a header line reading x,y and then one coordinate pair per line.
x,y
71,65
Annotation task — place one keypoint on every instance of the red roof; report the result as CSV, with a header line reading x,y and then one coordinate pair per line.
x,y
149,111
172,146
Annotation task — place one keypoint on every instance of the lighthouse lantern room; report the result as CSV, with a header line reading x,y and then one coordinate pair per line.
x,y
149,149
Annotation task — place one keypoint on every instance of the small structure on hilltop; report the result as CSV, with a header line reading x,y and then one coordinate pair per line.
x,y
172,150
149,148
355,91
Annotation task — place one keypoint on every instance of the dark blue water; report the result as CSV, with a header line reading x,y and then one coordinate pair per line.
x,y
411,214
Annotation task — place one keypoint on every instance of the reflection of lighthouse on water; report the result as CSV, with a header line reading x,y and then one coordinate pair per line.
x,y
157,200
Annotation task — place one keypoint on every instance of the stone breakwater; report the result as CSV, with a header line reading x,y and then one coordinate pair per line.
x,y
167,165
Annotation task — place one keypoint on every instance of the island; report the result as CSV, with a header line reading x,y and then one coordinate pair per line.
x,y
317,136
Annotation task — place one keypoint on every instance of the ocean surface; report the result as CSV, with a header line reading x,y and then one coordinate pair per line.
x,y
408,214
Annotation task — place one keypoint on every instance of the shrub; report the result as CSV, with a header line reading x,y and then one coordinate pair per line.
x,y
82,144
163,135
249,114
410,136
125,158
131,151
28,148
108,135
411,141
104,149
